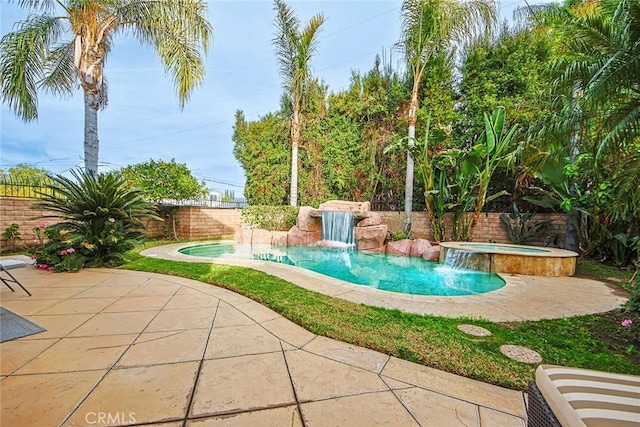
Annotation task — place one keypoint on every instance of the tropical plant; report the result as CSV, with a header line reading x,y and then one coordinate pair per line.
x,y
102,217
12,234
520,225
63,44
428,28
294,50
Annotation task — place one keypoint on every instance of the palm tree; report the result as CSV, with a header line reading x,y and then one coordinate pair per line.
x,y
294,50
428,28
68,43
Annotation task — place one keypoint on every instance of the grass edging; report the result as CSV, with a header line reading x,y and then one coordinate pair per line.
x,y
430,340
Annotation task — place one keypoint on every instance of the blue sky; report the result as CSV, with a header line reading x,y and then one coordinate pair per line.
x,y
143,120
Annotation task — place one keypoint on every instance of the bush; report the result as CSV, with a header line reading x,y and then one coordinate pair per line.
x,y
633,305
102,220
270,218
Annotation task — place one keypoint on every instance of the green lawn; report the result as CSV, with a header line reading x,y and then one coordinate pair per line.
x,y
595,342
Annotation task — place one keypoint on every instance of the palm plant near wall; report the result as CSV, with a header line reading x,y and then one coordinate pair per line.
x,y
63,44
102,217
428,28
294,49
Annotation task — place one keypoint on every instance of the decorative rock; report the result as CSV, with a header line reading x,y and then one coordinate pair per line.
x,y
399,247
261,237
243,235
297,237
432,253
372,218
279,238
521,354
419,247
476,331
382,249
307,223
368,238
343,205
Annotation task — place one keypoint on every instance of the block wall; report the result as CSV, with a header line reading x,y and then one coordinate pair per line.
x,y
490,227
203,223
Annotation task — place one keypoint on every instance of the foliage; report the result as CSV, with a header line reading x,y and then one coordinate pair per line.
x,y
633,304
164,180
294,49
341,156
64,44
12,234
23,181
270,217
102,219
520,226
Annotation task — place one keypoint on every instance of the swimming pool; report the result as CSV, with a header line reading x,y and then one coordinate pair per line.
x,y
409,275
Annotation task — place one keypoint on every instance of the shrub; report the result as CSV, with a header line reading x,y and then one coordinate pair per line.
x,y
520,226
633,305
102,219
270,217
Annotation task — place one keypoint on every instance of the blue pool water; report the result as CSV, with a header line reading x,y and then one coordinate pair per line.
x,y
407,275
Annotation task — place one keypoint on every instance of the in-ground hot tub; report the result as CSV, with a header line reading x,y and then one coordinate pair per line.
x,y
514,259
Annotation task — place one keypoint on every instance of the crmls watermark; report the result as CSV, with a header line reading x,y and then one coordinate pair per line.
x,y
104,418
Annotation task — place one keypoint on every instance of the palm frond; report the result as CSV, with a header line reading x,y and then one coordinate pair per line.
x,y
60,72
23,62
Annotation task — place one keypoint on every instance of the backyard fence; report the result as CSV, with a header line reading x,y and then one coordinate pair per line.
x,y
25,188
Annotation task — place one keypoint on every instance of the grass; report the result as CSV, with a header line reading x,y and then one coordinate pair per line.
x,y
594,342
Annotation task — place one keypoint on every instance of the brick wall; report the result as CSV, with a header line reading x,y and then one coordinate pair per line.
x,y
202,223
19,211
489,228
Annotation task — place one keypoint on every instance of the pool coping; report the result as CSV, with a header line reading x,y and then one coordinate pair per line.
x,y
522,298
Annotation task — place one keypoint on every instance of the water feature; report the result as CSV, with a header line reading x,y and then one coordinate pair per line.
x,y
468,260
337,230
409,275
512,259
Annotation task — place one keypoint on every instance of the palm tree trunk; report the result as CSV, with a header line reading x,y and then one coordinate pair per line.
x,y
408,184
91,143
295,140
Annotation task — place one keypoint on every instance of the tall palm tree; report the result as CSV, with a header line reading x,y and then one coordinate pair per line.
x,y
294,50
428,28
64,43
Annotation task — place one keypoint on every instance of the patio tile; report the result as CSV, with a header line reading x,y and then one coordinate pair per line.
x,y
277,417
16,353
79,305
288,331
231,316
188,318
57,325
131,303
154,348
438,410
509,401
79,354
348,353
493,418
395,384
144,394
44,400
240,340
115,324
258,312
30,306
315,377
242,383
46,293
188,298
151,287
372,409
106,291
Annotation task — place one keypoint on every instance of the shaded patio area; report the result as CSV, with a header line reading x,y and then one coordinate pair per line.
x,y
126,348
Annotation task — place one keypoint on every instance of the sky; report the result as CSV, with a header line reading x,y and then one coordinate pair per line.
x,y
143,120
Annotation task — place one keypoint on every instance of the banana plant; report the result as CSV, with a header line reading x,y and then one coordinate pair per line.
x,y
496,149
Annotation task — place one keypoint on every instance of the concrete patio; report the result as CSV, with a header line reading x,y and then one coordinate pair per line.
x,y
125,348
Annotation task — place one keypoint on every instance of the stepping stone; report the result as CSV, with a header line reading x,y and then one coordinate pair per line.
x,y
476,331
521,354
